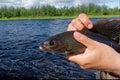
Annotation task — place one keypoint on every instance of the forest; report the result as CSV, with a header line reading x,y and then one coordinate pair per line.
x,y
48,10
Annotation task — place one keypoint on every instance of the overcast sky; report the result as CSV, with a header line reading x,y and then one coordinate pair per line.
x,y
58,3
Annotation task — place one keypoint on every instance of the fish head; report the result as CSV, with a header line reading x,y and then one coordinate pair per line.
x,y
63,43
57,43
50,45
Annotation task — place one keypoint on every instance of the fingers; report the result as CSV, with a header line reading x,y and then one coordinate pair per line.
x,y
80,22
75,25
81,59
85,20
71,28
75,58
89,43
84,58
84,40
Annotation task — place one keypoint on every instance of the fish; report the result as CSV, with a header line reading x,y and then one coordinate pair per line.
x,y
108,28
103,31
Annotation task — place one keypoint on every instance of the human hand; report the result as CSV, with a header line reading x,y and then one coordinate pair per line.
x,y
80,22
97,55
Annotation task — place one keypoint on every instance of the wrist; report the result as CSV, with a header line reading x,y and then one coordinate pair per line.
x,y
114,64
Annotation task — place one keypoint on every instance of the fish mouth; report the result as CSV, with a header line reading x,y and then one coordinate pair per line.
x,y
43,47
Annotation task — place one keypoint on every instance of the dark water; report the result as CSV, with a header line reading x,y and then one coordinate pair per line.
x,y
20,57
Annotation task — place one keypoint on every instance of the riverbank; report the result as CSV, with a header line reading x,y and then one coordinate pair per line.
x,y
59,17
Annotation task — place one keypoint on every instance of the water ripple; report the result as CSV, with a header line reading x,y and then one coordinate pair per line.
x,y
20,57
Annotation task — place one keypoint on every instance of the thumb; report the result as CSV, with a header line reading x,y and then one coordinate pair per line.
x,y
84,39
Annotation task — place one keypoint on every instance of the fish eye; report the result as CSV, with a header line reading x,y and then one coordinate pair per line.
x,y
52,42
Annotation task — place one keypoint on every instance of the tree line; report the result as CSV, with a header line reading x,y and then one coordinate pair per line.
x,y
48,10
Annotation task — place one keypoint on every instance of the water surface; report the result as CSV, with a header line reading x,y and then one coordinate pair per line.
x,y
20,56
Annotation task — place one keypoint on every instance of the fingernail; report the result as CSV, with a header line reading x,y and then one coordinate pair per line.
x,y
90,26
77,35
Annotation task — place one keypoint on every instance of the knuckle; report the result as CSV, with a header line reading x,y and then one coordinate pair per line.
x,y
82,14
78,25
70,25
84,65
83,38
73,20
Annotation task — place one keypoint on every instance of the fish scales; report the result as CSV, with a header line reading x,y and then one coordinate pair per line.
x,y
110,29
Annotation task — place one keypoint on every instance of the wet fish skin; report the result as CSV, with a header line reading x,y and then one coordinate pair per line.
x,y
66,44
108,28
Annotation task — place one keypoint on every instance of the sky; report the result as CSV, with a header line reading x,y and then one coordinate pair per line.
x,y
58,3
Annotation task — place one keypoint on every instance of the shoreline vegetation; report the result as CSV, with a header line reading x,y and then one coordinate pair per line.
x,y
51,12
58,17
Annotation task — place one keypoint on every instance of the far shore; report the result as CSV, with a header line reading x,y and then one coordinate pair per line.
x,y
59,17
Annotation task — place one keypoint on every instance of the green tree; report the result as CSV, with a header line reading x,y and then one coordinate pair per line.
x,y
48,10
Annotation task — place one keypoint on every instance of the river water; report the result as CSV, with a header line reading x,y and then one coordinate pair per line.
x,y
20,57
